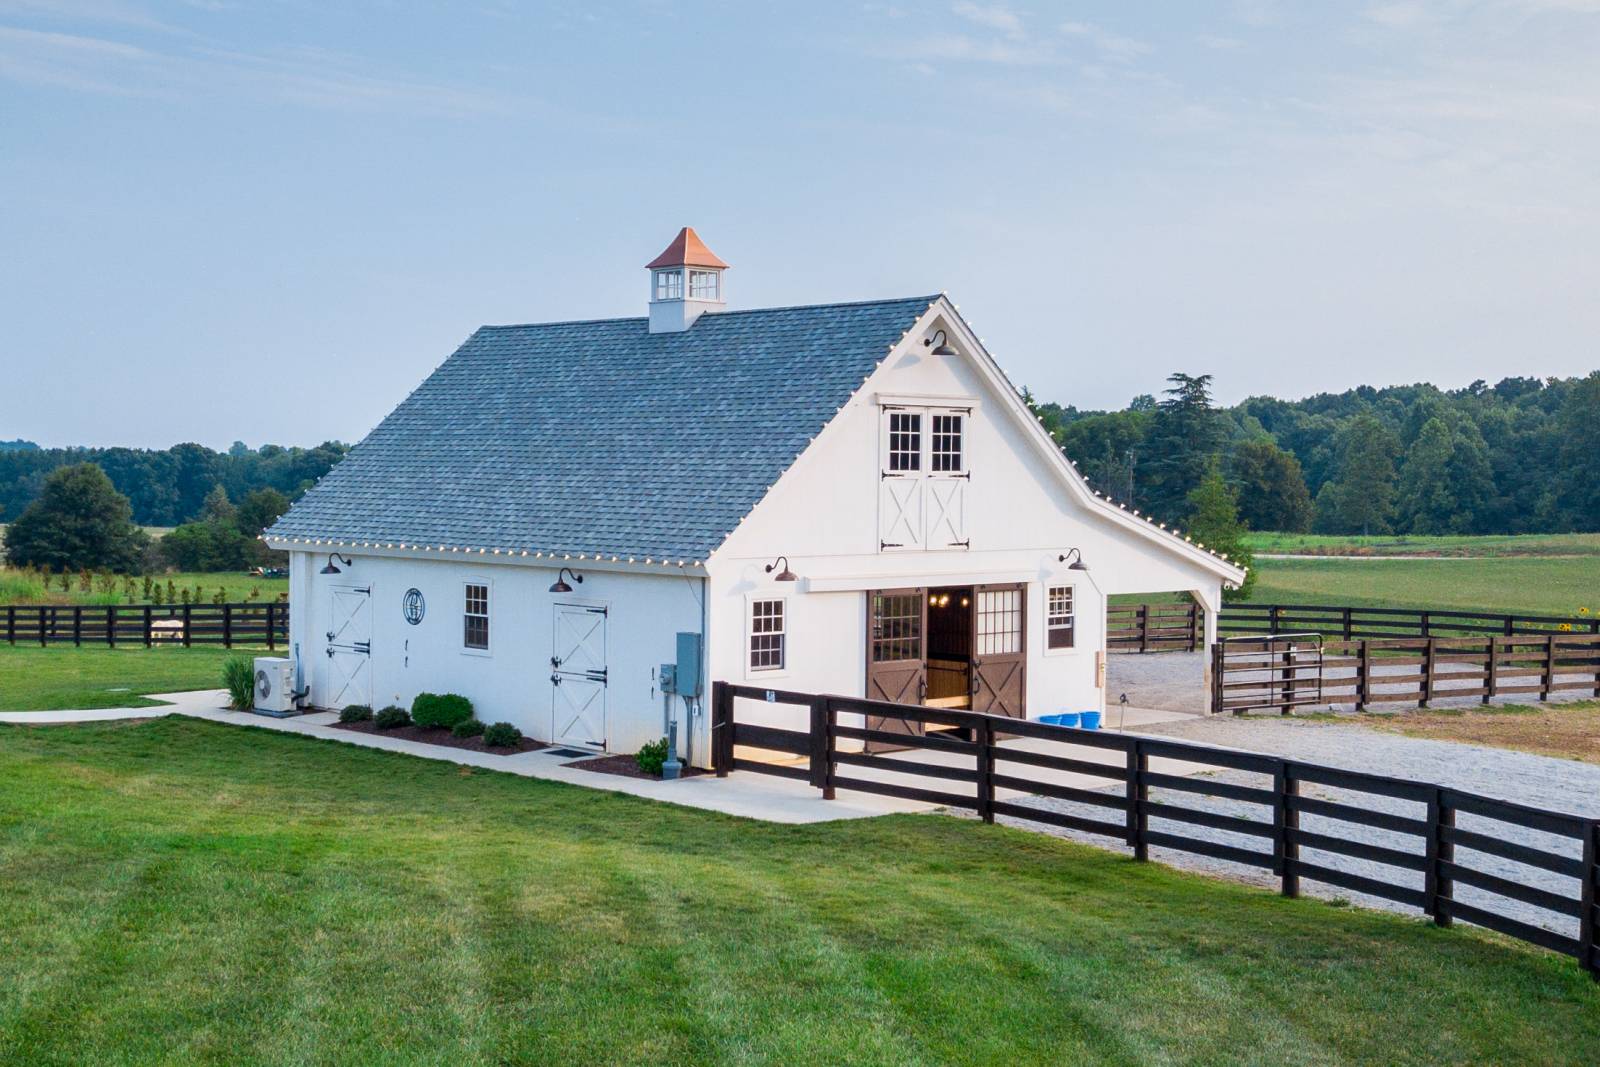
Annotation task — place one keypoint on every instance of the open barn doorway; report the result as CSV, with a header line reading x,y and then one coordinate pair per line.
x,y
957,647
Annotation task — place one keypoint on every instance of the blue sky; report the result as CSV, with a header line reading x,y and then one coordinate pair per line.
x,y
269,221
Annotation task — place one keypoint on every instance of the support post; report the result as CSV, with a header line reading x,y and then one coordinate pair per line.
x,y
1437,888
721,729
1138,792
983,736
1286,819
818,731
1588,934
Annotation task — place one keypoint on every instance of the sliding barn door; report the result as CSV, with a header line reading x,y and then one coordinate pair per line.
x,y
897,655
999,650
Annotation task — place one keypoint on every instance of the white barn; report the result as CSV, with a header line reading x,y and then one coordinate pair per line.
x,y
845,498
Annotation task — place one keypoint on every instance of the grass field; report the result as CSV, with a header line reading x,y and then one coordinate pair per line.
x,y
1585,544
188,892
18,588
1502,585
51,679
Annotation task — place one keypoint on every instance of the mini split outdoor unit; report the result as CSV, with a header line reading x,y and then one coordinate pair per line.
x,y
275,685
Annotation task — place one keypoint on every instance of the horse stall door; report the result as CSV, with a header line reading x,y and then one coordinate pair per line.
x,y
897,657
1000,654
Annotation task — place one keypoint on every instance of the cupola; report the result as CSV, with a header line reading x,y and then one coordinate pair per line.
x,y
685,282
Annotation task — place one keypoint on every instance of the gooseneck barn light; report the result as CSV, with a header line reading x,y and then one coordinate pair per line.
x,y
330,568
785,575
1076,557
944,348
560,585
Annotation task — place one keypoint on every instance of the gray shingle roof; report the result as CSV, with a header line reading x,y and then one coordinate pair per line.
x,y
601,437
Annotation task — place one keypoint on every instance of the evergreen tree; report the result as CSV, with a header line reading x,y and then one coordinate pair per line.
x,y
1185,435
1578,485
1272,488
1214,522
79,522
1365,495
217,507
1424,504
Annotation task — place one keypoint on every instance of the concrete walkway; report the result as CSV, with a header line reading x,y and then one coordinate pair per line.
x,y
743,793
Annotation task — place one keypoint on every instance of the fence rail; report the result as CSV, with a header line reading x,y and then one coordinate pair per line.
x,y
1285,671
1348,623
1175,627
251,625
1268,826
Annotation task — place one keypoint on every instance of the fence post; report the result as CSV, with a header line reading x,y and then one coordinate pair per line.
x,y
43,633
1491,681
1588,935
1217,662
1349,629
227,626
984,736
1427,674
1272,619
111,626
1289,674
272,633
1547,676
1144,627
829,767
721,729
1196,629
188,620
1137,793
11,625
1427,625
147,638
1437,887
819,740
1286,818
77,625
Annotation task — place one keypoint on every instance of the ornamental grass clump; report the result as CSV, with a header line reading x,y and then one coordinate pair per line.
x,y
239,678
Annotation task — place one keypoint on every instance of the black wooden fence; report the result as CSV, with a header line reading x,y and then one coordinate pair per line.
x,y
113,625
1558,878
1179,626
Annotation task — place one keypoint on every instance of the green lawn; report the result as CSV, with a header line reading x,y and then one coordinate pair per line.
x,y
1514,585
1586,544
50,679
188,892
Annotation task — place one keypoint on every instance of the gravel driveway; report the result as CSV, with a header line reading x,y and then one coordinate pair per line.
x,y
1564,786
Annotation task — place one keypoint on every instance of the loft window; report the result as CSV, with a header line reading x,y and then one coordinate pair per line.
x,y
1059,620
669,284
704,285
767,633
945,444
905,441
475,617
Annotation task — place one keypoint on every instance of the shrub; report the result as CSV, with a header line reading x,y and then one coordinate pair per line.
x,y
391,718
239,678
468,728
651,756
501,735
356,713
436,709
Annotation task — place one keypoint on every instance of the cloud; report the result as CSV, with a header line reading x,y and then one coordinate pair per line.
x,y
1113,46
311,79
990,16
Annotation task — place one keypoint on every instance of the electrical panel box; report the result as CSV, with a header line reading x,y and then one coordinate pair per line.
x,y
688,673
668,673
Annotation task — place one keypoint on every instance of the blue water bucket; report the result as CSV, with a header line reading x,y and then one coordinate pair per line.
x,y
1062,718
1089,720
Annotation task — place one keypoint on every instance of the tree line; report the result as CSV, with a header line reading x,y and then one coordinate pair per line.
x,y
1515,457
167,487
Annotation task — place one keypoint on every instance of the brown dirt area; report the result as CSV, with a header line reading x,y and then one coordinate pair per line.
x,y
1565,731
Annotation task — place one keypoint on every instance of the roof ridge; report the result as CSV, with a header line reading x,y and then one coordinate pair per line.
x,y
737,311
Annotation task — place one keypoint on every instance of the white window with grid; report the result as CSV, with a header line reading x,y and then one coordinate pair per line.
x,y
946,451
705,285
768,634
1060,618
669,284
999,621
475,617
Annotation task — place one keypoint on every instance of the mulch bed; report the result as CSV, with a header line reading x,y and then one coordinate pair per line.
x,y
442,738
628,767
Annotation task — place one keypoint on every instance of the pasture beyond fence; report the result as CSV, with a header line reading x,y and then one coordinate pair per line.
x,y
1539,864
113,625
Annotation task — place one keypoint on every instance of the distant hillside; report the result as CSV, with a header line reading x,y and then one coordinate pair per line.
x,y
19,445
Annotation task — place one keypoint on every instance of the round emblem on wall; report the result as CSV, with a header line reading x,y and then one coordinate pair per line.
x,y
414,606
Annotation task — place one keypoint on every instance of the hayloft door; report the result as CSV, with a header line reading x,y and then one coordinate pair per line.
x,y
347,671
897,656
578,676
999,650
